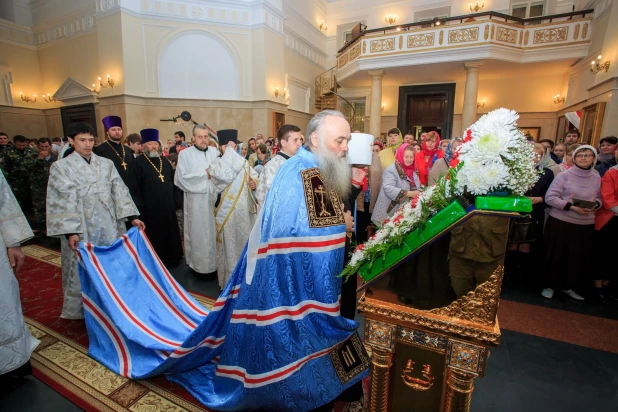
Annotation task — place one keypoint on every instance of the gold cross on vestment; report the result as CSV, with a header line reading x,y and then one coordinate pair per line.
x,y
161,177
124,165
320,191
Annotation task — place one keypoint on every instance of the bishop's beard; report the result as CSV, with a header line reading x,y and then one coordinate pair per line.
x,y
335,172
153,154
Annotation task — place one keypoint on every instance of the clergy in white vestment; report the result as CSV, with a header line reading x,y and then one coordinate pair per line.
x,y
87,201
289,140
235,214
16,342
198,168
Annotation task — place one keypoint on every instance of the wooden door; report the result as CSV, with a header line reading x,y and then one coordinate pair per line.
x,y
80,113
425,108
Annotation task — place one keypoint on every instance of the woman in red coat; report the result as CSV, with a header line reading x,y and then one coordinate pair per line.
x,y
606,222
425,159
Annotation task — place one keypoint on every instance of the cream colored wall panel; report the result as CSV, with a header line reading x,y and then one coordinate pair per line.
x,y
28,122
53,122
112,52
299,119
23,64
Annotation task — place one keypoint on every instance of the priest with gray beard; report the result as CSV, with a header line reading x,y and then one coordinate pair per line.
x,y
151,182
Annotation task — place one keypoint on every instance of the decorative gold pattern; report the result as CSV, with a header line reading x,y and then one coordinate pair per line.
x,y
551,35
576,32
154,402
506,35
459,387
364,46
400,42
521,37
441,40
486,32
355,52
128,393
420,40
323,205
493,30
349,359
465,356
380,334
463,35
585,31
381,361
526,37
382,45
478,306
342,61
415,383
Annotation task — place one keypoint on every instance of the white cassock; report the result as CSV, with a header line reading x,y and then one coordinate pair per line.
x,y
266,178
16,342
92,201
234,216
199,202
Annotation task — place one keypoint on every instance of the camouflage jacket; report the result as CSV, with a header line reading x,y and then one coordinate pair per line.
x,y
17,164
38,169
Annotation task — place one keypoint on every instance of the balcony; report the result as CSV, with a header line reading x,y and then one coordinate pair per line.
x,y
472,37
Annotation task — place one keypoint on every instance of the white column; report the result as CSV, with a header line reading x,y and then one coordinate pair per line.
x,y
375,111
470,95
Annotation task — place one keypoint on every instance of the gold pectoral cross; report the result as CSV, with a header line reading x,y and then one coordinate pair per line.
x,y
124,165
320,191
161,177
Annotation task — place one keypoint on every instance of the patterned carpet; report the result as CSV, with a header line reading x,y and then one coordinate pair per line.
x,y
61,360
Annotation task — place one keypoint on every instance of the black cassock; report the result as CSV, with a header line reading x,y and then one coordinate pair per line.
x,y
113,152
155,200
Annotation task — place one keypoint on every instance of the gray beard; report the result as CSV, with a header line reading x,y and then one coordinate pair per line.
x,y
335,172
153,154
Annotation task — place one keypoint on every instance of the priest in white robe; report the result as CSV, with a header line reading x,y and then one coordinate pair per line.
x,y
16,342
87,201
289,139
235,214
197,168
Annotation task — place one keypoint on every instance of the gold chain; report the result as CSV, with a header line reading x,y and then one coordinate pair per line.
x,y
117,154
160,170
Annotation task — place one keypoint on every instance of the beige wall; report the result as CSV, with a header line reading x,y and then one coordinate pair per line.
x,y
25,121
299,119
23,62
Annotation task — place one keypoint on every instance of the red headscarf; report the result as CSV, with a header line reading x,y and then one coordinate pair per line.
x,y
399,156
423,165
379,144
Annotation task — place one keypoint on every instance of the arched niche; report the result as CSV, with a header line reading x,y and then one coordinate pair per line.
x,y
197,65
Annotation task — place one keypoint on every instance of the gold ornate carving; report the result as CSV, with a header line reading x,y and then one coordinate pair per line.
x,y
551,35
493,30
342,60
506,35
526,37
463,35
521,36
355,52
380,334
420,40
459,387
478,306
382,45
441,37
465,357
364,46
486,32
585,31
400,42
381,361
415,383
576,32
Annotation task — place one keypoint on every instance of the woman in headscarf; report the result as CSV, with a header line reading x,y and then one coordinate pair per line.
x,y
574,196
441,166
523,257
605,158
242,150
393,141
399,182
426,158
263,155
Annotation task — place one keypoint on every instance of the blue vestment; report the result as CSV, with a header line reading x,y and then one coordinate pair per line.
x,y
274,340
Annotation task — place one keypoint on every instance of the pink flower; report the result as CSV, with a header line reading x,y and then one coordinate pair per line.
x,y
360,248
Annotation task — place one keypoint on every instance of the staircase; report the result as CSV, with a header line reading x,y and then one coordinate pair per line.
x,y
326,90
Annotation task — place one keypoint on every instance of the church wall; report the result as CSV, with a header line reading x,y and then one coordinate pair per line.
x,y
23,63
305,71
25,121
299,119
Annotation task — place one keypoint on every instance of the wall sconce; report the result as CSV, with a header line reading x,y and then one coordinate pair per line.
x,y
558,99
94,89
49,98
437,22
27,99
382,108
390,18
285,94
479,105
323,26
598,66
476,7
109,83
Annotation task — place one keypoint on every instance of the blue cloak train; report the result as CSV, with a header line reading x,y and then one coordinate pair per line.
x,y
274,339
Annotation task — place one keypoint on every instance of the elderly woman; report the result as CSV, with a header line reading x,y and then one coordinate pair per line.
x,y
605,157
606,223
441,166
426,158
399,182
574,195
242,149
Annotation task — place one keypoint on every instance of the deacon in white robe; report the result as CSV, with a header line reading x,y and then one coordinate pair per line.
x,y
197,167
16,342
235,214
289,139
87,201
